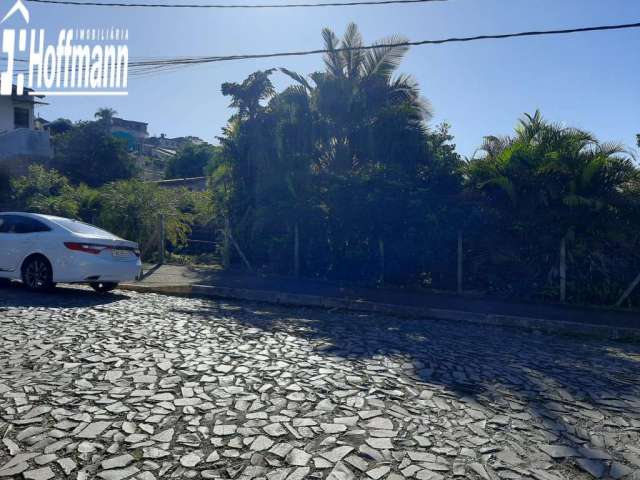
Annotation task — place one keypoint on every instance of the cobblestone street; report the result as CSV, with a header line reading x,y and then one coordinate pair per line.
x,y
148,387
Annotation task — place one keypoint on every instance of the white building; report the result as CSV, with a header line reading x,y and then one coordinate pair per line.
x,y
20,143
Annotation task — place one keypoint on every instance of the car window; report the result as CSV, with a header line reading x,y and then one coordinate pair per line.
x,y
81,228
5,224
38,226
22,225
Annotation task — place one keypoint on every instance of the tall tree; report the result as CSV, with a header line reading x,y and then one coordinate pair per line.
x,y
363,105
105,116
88,154
60,126
319,177
190,161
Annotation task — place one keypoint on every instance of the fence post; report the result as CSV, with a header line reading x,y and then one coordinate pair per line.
x,y
382,265
241,253
226,246
460,262
632,286
563,269
161,240
296,250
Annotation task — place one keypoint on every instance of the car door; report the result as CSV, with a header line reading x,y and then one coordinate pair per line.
x,y
20,235
7,241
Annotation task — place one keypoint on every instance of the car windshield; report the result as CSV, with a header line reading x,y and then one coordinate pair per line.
x,y
82,228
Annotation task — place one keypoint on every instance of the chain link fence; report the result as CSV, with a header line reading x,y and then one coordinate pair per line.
x,y
462,266
203,245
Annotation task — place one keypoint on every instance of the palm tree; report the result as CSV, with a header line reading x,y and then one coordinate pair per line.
x,y
348,60
247,137
355,91
550,183
105,116
568,166
246,96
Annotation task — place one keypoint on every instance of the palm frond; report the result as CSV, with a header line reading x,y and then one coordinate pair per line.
x,y
332,59
592,168
574,200
352,59
295,94
613,149
405,89
530,126
493,145
384,59
502,183
297,77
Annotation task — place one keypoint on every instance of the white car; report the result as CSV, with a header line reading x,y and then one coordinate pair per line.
x,y
42,250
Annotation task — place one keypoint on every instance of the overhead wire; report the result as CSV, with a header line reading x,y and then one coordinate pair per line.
x,y
234,6
155,65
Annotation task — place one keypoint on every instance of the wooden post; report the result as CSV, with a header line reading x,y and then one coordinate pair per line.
x,y
161,242
628,291
460,262
226,245
563,269
240,252
382,265
296,250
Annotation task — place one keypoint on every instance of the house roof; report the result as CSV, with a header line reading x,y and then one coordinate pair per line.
x,y
121,122
25,97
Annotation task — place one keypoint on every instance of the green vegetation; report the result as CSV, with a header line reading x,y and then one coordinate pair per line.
x,y
191,161
89,154
105,116
339,176
128,208
548,183
131,209
5,186
339,168
59,126
45,191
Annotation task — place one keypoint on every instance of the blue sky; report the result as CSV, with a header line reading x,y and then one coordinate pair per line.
x,y
590,80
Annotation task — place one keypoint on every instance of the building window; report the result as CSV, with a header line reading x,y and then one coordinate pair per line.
x,y
21,117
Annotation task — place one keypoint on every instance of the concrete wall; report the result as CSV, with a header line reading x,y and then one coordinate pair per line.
x,y
196,184
35,143
23,147
6,113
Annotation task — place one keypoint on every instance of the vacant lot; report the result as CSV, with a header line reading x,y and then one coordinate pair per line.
x,y
145,386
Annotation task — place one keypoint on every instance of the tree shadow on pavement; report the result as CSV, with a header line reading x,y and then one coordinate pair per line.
x,y
578,392
16,296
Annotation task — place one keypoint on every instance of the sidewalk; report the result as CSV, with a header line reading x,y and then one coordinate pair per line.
x,y
185,280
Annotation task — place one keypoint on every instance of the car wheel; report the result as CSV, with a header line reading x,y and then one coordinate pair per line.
x,y
37,274
103,287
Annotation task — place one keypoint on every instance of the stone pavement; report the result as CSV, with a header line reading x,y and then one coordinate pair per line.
x,y
131,386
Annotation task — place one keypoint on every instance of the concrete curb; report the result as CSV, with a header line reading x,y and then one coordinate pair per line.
x,y
279,298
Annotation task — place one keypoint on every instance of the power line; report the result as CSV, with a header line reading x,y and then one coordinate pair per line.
x,y
201,5
141,67
211,59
